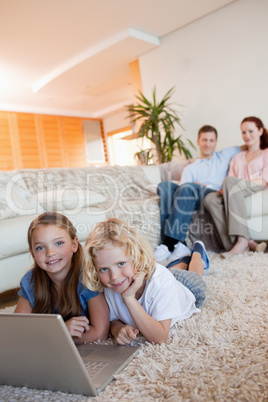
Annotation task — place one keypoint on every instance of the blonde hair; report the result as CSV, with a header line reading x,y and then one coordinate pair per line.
x,y
121,234
45,292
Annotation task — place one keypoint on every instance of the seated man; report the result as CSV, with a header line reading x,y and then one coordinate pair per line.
x,y
177,203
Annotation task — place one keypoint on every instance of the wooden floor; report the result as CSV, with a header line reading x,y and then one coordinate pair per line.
x,y
8,299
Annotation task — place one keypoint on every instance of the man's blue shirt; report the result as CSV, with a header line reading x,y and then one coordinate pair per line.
x,y
210,172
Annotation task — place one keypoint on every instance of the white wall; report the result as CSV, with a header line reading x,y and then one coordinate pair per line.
x,y
219,65
115,121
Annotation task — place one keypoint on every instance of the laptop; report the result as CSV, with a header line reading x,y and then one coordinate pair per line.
x,y
37,351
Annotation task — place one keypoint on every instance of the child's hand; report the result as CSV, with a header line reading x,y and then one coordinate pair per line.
x,y
126,335
77,326
137,282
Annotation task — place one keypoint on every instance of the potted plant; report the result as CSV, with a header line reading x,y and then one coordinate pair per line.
x,y
144,156
157,123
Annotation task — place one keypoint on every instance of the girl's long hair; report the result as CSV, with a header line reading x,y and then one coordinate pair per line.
x,y
121,234
45,292
259,124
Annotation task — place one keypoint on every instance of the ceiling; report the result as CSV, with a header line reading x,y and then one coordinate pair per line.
x,y
72,56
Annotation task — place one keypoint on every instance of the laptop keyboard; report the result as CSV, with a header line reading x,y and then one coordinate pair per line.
x,y
94,368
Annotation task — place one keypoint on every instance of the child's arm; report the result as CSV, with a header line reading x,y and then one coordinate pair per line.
x,y
154,331
23,306
123,334
99,320
77,326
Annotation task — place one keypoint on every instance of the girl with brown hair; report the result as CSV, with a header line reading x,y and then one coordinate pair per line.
x,y
53,284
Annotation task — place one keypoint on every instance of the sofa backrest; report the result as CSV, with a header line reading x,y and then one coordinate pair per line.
x,y
33,191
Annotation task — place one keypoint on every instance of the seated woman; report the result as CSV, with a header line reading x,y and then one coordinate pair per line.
x,y
248,174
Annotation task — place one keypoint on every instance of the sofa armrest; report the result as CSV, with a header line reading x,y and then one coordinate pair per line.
x,y
257,204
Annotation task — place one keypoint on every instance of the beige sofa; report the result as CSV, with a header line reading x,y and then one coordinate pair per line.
x,y
202,226
85,196
89,195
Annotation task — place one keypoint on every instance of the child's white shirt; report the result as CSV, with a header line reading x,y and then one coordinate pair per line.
x,y
163,298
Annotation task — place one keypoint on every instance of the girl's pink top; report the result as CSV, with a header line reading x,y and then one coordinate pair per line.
x,y
257,168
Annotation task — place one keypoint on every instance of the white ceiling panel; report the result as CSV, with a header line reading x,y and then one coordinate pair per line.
x,y
72,56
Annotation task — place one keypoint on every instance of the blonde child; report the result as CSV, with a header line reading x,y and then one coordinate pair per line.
x,y
143,296
53,284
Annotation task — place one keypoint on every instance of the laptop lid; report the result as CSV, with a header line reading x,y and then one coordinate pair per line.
x,y
37,351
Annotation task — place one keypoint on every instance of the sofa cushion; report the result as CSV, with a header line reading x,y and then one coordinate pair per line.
x,y
152,172
13,235
85,220
69,198
171,171
15,198
112,182
143,214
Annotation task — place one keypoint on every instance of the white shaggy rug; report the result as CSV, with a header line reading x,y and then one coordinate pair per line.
x,y
220,354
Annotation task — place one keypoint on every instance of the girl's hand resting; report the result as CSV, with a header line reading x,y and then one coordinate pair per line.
x,y
77,326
